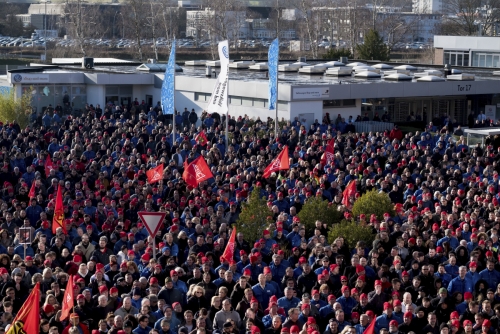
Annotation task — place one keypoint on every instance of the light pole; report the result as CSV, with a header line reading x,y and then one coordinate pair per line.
x,y
123,25
45,27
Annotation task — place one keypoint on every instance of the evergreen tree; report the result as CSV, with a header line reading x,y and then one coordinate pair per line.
x,y
374,47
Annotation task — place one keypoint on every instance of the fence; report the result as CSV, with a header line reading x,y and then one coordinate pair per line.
x,y
372,126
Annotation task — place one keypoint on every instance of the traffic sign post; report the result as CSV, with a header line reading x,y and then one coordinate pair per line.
x,y
152,221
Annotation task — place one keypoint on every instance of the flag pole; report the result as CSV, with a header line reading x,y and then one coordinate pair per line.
x,y
227,112
173,99
276,104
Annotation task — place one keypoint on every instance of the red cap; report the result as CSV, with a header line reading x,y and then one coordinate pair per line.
x,y
103,289
387,306
393,323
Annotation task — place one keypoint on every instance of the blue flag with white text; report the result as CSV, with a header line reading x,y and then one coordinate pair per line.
x,y
272,60
168,86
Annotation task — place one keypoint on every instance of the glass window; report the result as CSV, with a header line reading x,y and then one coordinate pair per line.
x,y
466,59
332,103
496,61
78,90
349,103
235,100
460,60
247,102
489,60
126,90
112,90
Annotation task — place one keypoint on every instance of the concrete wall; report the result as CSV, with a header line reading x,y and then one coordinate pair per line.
x,y
473,43
96,95
438,56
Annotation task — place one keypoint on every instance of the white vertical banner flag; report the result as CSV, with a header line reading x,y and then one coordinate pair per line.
x,y
218,101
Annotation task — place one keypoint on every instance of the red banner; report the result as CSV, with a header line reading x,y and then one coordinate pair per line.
x,y
328,157
201,139
28,317
68,299
196,172
350,191
48,165
32,192
58,220
281,162
155,174
231,244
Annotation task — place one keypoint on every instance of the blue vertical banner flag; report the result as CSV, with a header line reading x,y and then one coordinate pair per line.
x,y
168,86
272,60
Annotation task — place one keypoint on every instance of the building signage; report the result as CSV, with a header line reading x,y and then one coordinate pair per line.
x,y
29,78
311,93
490,111
464,88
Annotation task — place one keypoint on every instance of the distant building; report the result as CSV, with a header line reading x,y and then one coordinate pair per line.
x,y
427,6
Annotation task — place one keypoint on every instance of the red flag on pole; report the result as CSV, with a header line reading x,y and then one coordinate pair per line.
x,y
155,174
349,192
27,319
371,327
32,192
48,165
196,172
281,162
58,220
68,299
201,138
229,251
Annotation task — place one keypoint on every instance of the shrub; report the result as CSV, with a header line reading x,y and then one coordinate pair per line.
x,y
373,202
352,232
253,218
318,209
15,109
334,53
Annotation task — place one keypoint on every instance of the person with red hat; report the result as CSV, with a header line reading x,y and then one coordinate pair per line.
x,y
384,320
74,321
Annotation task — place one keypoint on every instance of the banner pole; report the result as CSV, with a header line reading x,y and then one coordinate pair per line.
x,y
227,113
173,99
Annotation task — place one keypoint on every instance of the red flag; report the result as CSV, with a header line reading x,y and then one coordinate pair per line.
x,y
196,172
201,138
58,220
155,174
328,157
32,192
349,192
68,299
281,162
229,251
28,317
48,165
371,327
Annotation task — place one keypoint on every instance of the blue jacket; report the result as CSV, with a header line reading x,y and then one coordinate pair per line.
x,y
460,285
140,330
383,322
491,277
263,294
255,271
33,214
325,311
277,271
347,304
288,303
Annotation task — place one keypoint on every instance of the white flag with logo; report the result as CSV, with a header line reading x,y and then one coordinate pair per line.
x,y
218,101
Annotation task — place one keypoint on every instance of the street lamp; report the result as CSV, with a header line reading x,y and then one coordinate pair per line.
x,y
45,27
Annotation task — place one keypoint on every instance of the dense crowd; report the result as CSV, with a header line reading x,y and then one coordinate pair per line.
x,y
433,266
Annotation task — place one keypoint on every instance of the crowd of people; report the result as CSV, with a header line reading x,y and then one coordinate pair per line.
x,y
433,267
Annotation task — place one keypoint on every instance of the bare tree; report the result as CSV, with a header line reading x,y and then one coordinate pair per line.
x,y
83,22
138,8
468,17
309,24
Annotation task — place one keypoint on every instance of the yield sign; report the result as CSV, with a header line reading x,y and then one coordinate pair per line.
x,y
152,220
